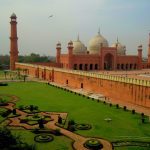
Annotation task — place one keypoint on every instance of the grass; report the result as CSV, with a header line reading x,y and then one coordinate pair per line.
x,y
27,136
81,109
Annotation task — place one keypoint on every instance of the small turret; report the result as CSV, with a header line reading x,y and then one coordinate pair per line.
x,y
70,54
58,53
140,57
70,48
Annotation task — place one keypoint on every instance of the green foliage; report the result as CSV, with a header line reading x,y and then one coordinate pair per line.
x,y
11,142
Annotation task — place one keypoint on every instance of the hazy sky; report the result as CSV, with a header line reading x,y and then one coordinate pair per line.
x,y
127,19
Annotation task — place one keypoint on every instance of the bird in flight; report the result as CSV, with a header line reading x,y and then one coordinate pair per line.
x,y
50,16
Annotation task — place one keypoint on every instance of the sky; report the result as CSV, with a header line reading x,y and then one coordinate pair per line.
x,y
129,20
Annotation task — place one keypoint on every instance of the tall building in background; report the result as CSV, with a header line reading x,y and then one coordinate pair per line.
x,y
13,42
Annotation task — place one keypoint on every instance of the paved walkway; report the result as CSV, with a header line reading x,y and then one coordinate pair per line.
x,y
78,139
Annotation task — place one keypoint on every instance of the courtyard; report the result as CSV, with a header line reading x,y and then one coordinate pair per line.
x,y
123,125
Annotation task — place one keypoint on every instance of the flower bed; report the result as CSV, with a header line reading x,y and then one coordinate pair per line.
x,y
43,138
83,126
93,144
33,119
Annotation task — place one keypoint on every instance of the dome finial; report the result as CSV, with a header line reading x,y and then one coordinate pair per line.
x,y
78,38
117,39
99,31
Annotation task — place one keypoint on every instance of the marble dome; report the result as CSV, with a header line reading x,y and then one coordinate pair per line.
x,y
79,47
96,42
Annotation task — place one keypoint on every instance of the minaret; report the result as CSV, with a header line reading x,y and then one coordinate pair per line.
x,y
149,50
70,54
140,57
58,52
13,42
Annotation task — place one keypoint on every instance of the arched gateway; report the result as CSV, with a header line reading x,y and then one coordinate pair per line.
x,y
108,62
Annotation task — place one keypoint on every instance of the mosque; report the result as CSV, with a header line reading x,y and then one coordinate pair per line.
x,y
77,69
98,56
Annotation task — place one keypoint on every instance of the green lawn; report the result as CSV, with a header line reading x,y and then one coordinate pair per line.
x,y
27,136
82,110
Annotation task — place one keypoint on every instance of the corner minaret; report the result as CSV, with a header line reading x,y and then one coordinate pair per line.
x,y
13,42
149,50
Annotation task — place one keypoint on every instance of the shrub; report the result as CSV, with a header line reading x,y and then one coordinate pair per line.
x,y
31,108
124,108
57,132
41,124
143,120
59,120
71,128
133,111
142,114
71,125
21,107
6,113
117,106
110,104
14,111
71,122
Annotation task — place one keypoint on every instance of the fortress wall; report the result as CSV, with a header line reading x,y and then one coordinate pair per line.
x,y
116,88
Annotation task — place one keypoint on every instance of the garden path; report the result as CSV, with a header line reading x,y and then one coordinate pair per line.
x,y
78,139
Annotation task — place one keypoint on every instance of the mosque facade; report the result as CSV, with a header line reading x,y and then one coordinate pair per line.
x,y
100,56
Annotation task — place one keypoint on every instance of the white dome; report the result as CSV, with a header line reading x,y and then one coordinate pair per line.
x,y
79,47
96,42
121,49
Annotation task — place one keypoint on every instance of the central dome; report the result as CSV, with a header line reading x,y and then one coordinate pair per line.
x,y
79,47
96,42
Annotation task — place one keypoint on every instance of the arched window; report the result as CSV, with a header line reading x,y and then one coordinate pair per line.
x,y
75,67
81,85
91,66
118,66
126,66
86,67
67,82
96,66
130,66
122,66
135,66
80,67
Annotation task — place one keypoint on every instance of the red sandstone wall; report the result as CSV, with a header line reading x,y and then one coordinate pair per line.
x,y
136,94
117,90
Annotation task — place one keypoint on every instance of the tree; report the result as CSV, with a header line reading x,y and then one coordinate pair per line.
x,y
10,142
24,77
41,125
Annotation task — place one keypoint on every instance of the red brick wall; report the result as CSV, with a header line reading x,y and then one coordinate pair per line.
x,y
117,90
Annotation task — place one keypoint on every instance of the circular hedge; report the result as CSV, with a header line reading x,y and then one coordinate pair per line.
x,y
43,138
83,126
93,144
